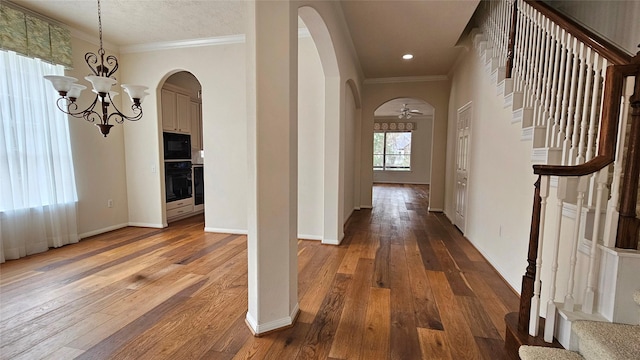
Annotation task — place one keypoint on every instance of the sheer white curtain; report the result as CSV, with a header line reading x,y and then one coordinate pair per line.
x,y
37,186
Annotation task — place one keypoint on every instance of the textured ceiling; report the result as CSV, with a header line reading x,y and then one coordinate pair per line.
x,y
381,30
134,22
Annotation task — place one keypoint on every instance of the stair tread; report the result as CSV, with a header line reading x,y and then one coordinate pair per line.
x,y
601,340
541,353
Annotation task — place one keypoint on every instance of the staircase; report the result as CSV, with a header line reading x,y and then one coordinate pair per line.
x,y
593,340
577,99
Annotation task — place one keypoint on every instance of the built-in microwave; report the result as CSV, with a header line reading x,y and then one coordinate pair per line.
x,y
177,146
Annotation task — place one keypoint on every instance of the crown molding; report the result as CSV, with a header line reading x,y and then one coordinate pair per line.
x,y
75,33
406,79
180,44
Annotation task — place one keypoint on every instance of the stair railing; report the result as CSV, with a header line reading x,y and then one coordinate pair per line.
x,y
574,90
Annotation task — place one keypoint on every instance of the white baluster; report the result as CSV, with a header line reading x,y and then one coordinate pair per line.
x,y
571,130
550,322
599,65
535,67
569,300
520,49
596,97
555,97
535,300
543,113
536,71
577,119
584,121
529,56
611,222
563,91
588,305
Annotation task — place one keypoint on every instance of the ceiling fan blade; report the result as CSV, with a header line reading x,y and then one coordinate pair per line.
x,y
415,112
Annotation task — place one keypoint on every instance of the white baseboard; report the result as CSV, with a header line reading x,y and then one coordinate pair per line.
x,y
271,325
102,231
309,237
226,231
515,287
401,182
333,241
366,206
149,225
436,209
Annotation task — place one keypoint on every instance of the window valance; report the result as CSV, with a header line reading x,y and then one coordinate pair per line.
x,y
394,126
34,37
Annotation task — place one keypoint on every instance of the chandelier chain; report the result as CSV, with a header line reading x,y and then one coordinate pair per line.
x,y
101,50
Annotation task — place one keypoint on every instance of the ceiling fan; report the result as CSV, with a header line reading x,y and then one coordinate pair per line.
x,y
406,113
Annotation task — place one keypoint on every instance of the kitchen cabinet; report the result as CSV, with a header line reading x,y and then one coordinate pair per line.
x,y
175,111
196,125
179,208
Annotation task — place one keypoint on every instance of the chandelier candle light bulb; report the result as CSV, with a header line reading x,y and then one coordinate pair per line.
x,y
102,80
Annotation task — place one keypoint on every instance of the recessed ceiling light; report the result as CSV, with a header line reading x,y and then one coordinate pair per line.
x,y
407,56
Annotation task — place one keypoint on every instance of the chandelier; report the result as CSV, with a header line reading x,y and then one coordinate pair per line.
x,y
102,80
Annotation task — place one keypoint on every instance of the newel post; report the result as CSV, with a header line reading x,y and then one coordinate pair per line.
x,y
628,223
530,274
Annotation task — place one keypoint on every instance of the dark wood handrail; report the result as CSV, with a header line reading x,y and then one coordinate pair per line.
x,y
608,131
602,46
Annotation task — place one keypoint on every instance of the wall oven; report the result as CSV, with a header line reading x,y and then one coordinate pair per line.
x,y
176,146
178,183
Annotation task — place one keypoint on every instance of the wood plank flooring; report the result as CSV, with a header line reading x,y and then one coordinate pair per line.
x,y
404,284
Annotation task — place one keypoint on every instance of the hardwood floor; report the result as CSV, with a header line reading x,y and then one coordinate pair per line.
x,y
403,285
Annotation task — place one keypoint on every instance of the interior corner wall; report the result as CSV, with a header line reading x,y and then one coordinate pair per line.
x,y
436,93
500,178
99,162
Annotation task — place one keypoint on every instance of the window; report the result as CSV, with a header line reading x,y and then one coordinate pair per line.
x,y
392,150
36,167
38,198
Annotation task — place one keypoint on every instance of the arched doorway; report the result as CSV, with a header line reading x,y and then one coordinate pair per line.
x,y
182,146
402,141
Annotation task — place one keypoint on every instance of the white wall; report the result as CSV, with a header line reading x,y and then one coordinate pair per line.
x,y
500,181
421,142
310,140
221,71
98,161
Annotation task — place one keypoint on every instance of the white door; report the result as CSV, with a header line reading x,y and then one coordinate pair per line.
x,y
462,164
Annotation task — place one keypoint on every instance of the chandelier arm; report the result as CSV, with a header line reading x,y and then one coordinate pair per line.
x,y
92,61
70,108
119,117
113,62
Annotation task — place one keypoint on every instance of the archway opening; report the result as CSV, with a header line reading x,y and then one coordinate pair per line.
x,y
402,141
182,148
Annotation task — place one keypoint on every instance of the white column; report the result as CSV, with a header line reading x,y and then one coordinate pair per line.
x,y
272,97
